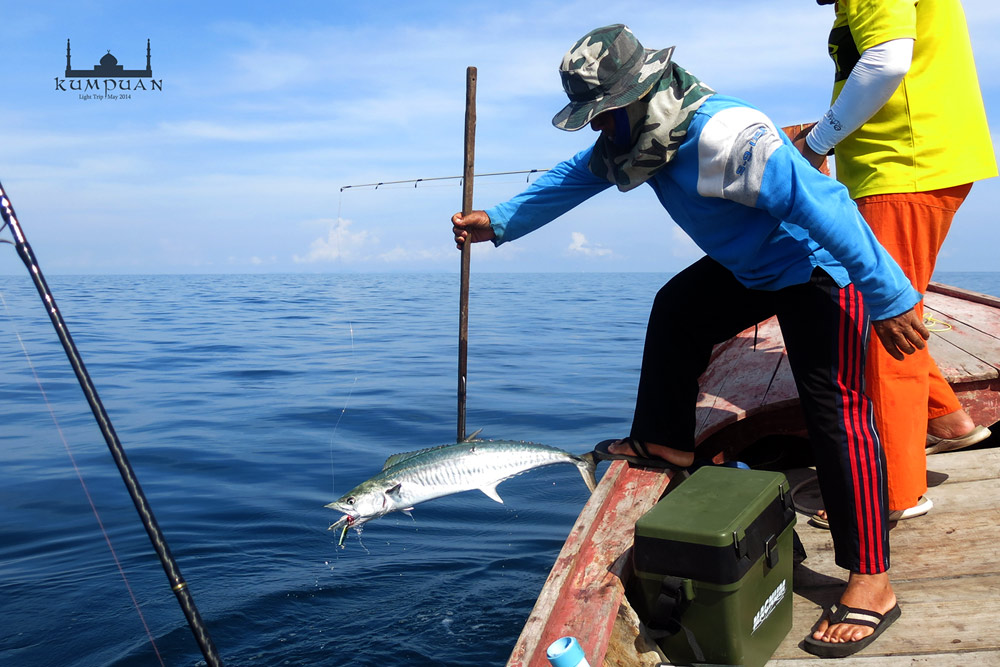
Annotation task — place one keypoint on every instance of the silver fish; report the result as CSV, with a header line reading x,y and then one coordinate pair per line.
x,y
413,477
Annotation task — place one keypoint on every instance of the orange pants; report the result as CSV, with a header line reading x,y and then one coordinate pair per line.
x,y
907,393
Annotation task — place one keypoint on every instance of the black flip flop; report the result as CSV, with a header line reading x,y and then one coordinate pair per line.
x,y
644,459
841,613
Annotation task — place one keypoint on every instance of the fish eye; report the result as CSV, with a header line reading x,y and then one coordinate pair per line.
x,y
350,501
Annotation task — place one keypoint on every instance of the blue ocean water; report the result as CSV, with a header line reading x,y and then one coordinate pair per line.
x,y
246,403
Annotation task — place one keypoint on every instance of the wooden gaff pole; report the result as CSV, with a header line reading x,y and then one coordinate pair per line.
x,y
463,310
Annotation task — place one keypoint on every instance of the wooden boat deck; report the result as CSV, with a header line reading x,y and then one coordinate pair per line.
x,y
946,565
749,374
945,571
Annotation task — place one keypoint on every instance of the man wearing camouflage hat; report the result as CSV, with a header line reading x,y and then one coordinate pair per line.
x,y
780,239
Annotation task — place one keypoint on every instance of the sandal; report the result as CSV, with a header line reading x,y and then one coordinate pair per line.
x,y
936,445
643,458
841,613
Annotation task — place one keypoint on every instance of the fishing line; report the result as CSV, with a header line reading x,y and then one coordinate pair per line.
x,y
79,476
340,205
350,393
930,322
333,481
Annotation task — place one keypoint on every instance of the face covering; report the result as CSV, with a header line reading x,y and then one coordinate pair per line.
x,y
656,124
623,128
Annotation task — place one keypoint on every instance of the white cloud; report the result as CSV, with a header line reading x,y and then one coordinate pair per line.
x,y
581,245
339,244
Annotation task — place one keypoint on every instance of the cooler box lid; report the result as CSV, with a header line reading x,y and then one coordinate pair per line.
x,y
714,525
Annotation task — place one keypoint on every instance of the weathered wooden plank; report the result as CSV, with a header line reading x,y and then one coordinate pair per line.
x,y
964,294
737,380
965,466
951,467
965,341
584,590
970,315
963,515
973,328
954,615
981,400
965,504
782,390
976,320
738,370
761,377
961,357
945,570
979,658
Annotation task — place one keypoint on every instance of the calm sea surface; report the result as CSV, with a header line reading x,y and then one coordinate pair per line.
x,y
246,403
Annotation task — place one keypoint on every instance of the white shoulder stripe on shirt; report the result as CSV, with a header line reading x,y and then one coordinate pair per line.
x,y
733,150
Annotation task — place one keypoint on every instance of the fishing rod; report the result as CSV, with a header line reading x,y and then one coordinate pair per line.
x,y
468,174
418,181
177,583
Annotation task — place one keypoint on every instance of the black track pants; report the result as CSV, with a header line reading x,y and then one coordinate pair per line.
x,y
825,329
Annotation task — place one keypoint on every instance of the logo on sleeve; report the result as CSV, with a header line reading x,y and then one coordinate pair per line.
x,y
748,153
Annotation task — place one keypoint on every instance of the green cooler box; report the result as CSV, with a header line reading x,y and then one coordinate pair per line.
x,y
713,567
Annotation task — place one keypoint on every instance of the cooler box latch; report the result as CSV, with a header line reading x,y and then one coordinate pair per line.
x,y
740,544
771,553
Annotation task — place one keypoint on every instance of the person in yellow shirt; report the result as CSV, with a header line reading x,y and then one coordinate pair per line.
x,y
910,136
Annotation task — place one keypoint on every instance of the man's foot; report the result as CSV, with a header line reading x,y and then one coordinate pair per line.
x,y
872,592
676,456
951,426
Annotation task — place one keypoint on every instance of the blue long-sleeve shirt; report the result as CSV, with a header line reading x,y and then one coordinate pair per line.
x,y
742,192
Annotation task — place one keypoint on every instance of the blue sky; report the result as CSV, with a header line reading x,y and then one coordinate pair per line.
x,y
237,164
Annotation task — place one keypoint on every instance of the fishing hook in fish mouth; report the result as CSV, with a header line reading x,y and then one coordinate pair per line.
x,y
348,521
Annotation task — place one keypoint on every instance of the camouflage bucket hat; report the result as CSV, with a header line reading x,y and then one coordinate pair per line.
x,y
607,69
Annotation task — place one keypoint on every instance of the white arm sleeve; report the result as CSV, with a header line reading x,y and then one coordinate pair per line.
x,y
871,83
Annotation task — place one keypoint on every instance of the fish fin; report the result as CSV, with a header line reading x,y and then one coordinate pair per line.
x,y
396,459
408,511
394,491
470,438
491,491
587,467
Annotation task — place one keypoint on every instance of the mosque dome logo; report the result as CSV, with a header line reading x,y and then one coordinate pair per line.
x,y
108,76
109,67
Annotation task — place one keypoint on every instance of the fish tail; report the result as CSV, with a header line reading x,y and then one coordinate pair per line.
x,y
588,468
